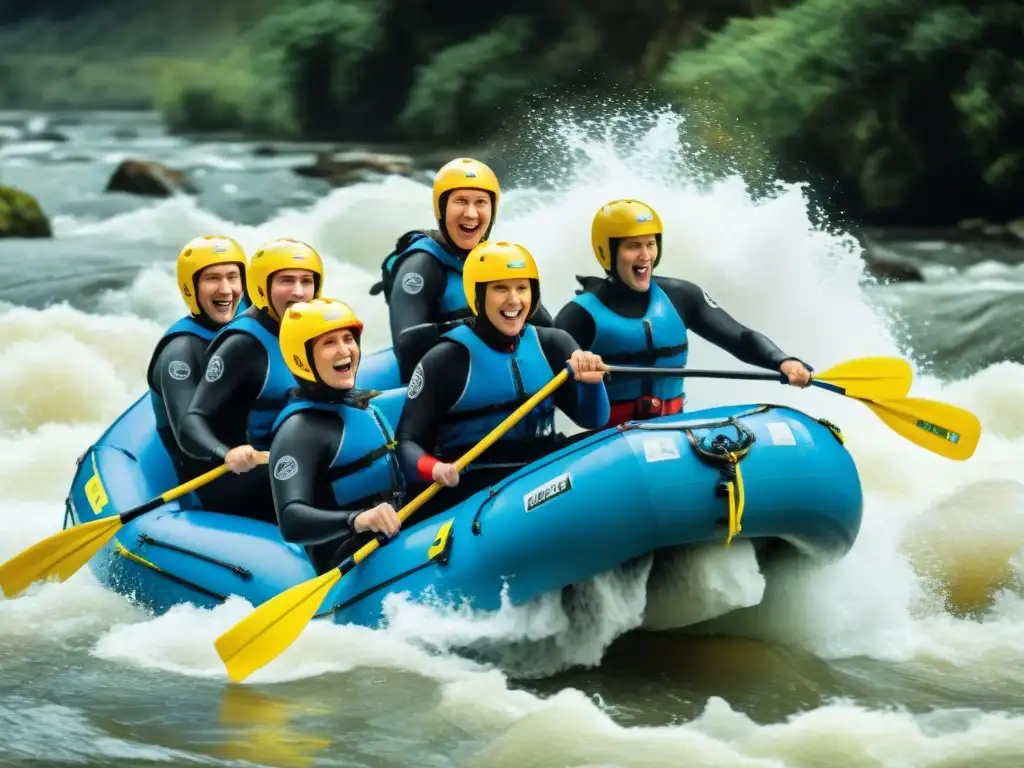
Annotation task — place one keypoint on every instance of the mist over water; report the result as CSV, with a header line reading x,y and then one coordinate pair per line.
x,y
907,652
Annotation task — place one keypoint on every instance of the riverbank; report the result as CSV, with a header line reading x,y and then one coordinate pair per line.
x,y
926,134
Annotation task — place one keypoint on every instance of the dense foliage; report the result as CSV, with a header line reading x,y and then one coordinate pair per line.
x,y
907,110
915,107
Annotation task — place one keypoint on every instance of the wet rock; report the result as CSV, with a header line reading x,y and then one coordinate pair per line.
x,y
265,150
46,135
892,270
345,168
886,265
1009,230
149,179
13,133
21,215
972,225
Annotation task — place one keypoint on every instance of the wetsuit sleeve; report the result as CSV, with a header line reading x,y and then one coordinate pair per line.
x,y
542,318
310,440
408,309
437,384
178,371
586,404
578,323
705,318
243,366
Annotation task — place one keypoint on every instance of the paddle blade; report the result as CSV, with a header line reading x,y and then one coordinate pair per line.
x,y
59,555
267,632
871,378
937,427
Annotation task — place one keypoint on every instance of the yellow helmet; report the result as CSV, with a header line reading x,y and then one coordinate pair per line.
x,y
465,173
306,320
619,219
499,261
282,253
202,252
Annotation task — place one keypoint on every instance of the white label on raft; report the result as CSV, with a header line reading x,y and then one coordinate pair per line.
x,y
781,433
660,449
545,493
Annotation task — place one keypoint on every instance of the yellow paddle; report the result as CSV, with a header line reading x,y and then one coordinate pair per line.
x,y
937,427
868,378
880,383
267,632
63,553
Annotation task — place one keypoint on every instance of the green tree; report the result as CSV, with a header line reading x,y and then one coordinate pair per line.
x,y
910,104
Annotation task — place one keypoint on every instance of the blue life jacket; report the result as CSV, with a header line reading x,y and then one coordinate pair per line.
x,y
497,384
658,339
453,304
277,383
186,325
365,470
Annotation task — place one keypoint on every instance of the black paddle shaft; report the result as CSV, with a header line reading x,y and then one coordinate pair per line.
x,y
631,370
636,370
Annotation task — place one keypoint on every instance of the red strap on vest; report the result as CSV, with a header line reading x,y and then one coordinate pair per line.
x,y
643,408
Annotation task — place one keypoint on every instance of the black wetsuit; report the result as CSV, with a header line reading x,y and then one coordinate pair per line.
x,y
445,370
306,506
698,313
708,321
174,374
410,310
216,422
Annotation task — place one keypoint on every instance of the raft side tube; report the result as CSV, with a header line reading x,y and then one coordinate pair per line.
x,y
800,483
629,493
126,467
379,370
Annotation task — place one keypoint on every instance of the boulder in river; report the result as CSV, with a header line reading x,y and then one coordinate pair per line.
x,y
890,270
150,179
885,264
345,168
21,215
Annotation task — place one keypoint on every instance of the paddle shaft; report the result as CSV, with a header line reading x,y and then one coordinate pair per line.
x,y
461,463
690,373
174,493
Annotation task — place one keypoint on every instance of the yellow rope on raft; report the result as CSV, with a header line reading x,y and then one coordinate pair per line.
x,y
737,500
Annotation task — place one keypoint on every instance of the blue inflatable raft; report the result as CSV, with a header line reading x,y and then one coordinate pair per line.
x,y
590,506
379,370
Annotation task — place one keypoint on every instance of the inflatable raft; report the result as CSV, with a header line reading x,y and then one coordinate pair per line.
x,y
379,370
593,504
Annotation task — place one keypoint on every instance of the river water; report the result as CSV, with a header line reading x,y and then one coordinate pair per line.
x,y
876,660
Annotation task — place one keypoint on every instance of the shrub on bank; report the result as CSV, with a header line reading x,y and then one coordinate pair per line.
x,y
915,107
